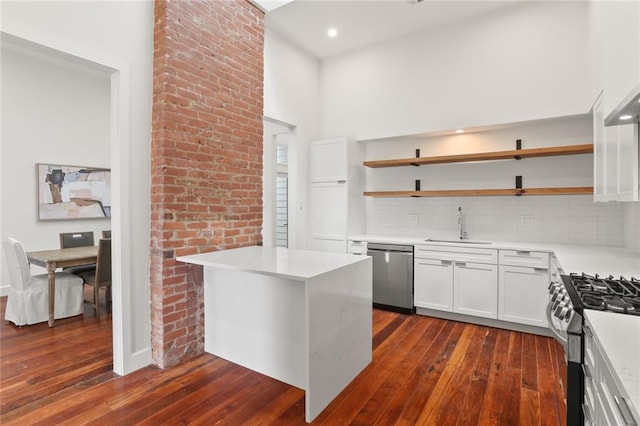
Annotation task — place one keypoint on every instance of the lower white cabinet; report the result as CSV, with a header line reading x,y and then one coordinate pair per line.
x,y
605,402
433,284
474,289
523,285
523,295
446,281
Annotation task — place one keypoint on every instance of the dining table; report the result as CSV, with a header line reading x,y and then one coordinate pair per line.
x,y
61,258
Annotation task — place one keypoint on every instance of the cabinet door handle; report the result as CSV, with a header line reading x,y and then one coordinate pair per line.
x,y
342,181
587,330
540,270
523,252
461,264
587,371
623,408
446,262
587,413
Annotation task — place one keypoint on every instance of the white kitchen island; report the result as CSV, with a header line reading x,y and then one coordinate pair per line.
x,y
298,316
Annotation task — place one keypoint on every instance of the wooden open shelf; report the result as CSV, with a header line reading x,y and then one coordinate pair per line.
x,y
580,190
484,156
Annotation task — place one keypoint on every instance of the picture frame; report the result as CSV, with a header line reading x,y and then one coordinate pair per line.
x,y
73,192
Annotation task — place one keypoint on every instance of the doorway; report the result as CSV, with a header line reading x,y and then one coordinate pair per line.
x,y
117,75
278,162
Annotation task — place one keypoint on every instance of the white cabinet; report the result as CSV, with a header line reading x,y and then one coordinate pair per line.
x,y
433,284
336,204
454,279
616,159
523,287
605,402
474,289
615,53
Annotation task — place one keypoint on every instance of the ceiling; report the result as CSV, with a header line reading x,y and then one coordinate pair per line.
x,y
363,22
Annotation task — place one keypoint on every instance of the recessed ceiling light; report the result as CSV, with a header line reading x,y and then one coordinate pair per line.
x,y
460,131
626,117
332,32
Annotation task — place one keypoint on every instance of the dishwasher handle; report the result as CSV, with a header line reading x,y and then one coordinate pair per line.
x,y
390,247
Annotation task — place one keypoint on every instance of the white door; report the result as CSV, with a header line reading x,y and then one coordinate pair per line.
x,y
475,289
433,284
523,295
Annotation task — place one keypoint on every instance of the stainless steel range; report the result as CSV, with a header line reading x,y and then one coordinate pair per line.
x,y
569,297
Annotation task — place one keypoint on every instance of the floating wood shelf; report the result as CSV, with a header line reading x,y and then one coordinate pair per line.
x,y
484,156
581,190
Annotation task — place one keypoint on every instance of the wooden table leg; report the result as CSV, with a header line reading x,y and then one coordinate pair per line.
x,y
52,291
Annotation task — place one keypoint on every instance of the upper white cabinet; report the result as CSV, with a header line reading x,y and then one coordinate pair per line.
x,y
336,206
616,159
328,160
615,34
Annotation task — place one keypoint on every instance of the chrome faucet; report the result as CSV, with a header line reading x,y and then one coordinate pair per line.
x,y
463,234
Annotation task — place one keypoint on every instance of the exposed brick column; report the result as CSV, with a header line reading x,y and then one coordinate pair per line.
x,y
206,154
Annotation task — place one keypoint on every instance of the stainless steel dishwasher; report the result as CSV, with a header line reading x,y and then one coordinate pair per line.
x,y
392,276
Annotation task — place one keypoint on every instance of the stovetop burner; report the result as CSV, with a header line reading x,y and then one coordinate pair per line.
x,y
607,293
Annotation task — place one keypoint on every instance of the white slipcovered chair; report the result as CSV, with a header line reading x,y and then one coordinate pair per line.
x,y
28,298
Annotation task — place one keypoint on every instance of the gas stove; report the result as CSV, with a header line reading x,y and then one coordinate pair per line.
x,y
620,295
569,297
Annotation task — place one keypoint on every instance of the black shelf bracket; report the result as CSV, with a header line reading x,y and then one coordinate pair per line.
x,y
519,186
417,156
518,148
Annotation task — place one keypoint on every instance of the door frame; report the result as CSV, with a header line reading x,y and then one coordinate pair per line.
x,y
118,70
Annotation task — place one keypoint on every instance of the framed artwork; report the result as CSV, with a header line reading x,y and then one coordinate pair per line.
x,y
73,192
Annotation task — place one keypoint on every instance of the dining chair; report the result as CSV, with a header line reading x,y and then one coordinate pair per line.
x,y
77,239
106,233
28,295
101,276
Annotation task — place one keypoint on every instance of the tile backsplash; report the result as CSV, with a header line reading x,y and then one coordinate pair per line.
x,y
572,219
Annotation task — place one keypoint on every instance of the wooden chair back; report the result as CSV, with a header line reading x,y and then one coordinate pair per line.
x,y
103,266
76,239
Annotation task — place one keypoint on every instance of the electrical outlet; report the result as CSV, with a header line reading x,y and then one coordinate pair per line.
x,y
413,218
526,220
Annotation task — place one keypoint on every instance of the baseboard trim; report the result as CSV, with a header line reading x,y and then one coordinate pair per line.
x,y
523,328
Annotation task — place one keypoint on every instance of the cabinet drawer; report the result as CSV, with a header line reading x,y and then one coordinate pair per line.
x,y
533,259
458,254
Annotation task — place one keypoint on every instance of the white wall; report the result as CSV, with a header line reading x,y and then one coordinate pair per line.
x,y
291,95
557,219
523,62
614,30
631,226
124,31
53,112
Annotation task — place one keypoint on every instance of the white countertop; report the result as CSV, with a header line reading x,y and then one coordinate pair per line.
x,y
274,261
619,337
573,258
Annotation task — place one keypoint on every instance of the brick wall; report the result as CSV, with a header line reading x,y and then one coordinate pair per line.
x,y
206,172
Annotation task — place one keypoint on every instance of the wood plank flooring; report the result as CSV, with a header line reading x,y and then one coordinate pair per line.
x,y
425,371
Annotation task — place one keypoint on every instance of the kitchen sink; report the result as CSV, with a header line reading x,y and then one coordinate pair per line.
x,y
433,240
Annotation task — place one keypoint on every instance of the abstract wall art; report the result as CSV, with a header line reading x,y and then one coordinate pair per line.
x,y
73,192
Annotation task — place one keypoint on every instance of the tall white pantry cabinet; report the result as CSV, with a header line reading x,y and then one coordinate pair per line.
x,y
336,203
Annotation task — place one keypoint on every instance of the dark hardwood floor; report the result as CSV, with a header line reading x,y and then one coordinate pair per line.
x,y
425,371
